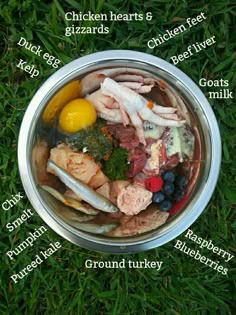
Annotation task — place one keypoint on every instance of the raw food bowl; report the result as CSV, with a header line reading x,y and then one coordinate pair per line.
x,y
196,103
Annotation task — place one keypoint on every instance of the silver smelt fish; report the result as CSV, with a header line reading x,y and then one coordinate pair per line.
x,y
83,191
77,219
93,227
65,212
75,204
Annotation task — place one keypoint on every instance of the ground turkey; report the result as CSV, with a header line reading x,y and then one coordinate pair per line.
x,y
145,221
133,199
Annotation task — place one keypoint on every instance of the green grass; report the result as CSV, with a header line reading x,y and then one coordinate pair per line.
x,y
62,284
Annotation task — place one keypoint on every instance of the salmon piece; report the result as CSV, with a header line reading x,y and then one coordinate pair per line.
x,y
98,179
77,164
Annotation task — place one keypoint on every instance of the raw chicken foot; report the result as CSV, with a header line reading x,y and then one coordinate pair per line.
x,y
135,108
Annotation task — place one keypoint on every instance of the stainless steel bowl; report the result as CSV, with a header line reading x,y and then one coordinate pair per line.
x,y
210,142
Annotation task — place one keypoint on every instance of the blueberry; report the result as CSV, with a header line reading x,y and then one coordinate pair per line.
x,y
181,181
178,194
165,205
168,176
158,197
168,188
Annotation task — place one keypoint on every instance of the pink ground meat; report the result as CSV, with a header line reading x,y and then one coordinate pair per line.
x,y
133,199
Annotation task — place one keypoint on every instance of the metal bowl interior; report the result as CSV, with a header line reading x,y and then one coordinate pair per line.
x,y
197,105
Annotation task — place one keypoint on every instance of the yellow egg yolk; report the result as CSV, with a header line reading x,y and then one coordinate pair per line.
x,y
77,114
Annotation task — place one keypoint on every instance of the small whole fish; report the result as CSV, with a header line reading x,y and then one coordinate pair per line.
x,y
63,211
93,227
77,219
83,191
77,205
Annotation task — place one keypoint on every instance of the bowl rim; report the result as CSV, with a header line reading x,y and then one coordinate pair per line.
x,y
53,84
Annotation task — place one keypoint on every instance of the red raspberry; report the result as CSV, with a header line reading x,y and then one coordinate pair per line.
x,y
154,183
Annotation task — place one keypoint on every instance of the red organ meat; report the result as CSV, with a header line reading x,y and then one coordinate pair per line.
x,y
176,147
122,133
125,135
137,160
140,178
171,162
127,139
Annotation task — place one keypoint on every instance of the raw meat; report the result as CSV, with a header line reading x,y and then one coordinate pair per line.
x,y
133,199
145,221
79,165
